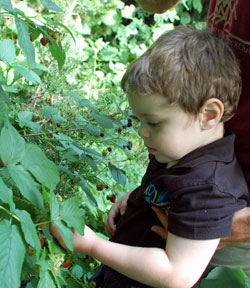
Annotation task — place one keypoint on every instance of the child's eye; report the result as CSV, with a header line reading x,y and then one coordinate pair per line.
x,y
153,124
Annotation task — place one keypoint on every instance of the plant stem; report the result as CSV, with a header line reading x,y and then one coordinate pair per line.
x,y
11,214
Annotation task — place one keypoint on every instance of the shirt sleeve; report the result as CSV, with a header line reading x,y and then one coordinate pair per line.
x,y
202,212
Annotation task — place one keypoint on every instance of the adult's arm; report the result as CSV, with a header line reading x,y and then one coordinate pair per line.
x,y
240,229
157,6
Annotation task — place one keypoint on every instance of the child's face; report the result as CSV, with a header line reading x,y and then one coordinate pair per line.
x,y
168,132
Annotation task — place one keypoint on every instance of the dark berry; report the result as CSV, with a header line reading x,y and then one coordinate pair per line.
x,y
66,263
119,130
109,149
100,186
104,153
112,198
44,41
129,120
102,134
129,124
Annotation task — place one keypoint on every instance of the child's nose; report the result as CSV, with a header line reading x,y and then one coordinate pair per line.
x,y
143,132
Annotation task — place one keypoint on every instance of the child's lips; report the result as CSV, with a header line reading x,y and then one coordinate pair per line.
x,y
151,150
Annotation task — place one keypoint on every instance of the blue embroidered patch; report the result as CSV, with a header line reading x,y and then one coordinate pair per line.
x,y
153,197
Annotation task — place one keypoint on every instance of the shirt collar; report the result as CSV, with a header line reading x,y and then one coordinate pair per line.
x,y
221,150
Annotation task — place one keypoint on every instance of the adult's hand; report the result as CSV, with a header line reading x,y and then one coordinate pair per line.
x,y
162,215
240,229
119,207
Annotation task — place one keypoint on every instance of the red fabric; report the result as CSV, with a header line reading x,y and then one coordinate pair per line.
x,y
230,19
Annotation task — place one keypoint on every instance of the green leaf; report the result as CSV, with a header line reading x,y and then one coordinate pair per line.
x,y
104,121
54,207
185,18
24,41
12,252
26,185
197,4
109,54
25,120
73,215
94,154
90,161
51,6
88,127
29,230
6,4
82,102
6,195
44,170
117,174
29,75
221,277
12,145
46,280
85,187
58,53
7,50
66,233
4,108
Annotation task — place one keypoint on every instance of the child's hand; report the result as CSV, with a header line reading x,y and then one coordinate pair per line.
x,y
82,244
118,208
163,217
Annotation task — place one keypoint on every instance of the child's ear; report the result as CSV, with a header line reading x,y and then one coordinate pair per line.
x,y
211,113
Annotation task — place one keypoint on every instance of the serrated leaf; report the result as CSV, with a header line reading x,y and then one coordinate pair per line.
x,y
58,53
29,230
12,145
26,185
7,50
24,41
117,174
6,195
46,280
12,252
43,169
54,207
51,6
66,233
85,187
28,74
104,121
73,215
82,102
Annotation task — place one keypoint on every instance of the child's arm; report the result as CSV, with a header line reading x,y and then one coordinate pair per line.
x,y
179,266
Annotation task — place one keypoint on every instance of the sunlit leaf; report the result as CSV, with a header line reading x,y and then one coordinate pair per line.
x,y
7,50
12,252
24,41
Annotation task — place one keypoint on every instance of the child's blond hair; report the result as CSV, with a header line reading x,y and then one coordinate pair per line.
x,y
187,66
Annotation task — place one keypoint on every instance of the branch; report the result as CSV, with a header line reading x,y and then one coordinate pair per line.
x,y
53,132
